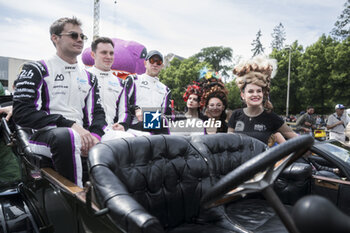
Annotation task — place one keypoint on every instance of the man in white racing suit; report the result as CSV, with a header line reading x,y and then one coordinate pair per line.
x,y
60,99
146,92
113,97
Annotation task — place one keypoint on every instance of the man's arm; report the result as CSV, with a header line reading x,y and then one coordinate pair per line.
x,y
300,123
334,125
94,109
28,97
167,104
333,122
135,110
300,120
130,86
313,122
124,113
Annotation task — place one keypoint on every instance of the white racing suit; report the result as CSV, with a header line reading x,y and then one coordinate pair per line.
x,y
50,96
149,94
114,99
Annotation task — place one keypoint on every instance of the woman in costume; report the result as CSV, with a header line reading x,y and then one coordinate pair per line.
x,y
192,97
257,120
214,99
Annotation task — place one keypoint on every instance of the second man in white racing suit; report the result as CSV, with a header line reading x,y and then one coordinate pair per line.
x,y
113,97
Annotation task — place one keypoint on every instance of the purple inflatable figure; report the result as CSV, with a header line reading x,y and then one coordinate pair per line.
x,y
129,57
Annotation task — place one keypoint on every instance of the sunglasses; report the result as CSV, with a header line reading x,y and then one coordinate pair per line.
x,y
153,60
74,35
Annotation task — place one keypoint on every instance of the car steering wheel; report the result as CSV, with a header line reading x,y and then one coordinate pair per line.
x,y
258,174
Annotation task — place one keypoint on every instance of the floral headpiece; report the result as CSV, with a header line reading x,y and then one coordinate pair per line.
x,y
192,89
208,74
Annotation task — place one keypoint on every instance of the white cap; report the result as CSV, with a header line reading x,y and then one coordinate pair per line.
x,y
339,106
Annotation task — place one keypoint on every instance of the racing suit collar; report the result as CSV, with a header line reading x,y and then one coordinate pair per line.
x,y
101,73
66,67
150,78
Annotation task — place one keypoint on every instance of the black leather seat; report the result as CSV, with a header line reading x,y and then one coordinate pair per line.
x,y
154,184
294,182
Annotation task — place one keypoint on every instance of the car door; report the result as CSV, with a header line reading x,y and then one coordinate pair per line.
x,y
334,187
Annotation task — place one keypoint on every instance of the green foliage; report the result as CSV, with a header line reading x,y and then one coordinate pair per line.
x,y
257,46
180,74
2,90
319,76
278,92
339,80
341,28
278,37
218,57
314,74
234,97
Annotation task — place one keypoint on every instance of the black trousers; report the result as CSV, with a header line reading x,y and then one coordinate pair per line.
x,y
62,145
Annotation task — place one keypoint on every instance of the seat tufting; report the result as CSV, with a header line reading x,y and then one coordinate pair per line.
x,y
154,183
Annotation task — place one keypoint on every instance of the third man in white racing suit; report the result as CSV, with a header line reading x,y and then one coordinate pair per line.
x,y
146,92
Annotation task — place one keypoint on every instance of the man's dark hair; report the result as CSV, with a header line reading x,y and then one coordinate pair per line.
x,y
95,42
57,26
308,107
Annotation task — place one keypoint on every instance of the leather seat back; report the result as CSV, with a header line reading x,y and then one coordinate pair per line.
x,y
163,176
294,182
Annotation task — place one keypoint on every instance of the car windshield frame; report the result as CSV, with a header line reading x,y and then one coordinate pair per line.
x,y
336,148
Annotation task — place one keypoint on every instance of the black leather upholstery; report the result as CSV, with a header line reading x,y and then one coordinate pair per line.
x,y
318,214
256,215
294,182
152,184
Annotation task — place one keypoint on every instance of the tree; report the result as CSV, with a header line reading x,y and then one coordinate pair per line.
x,y
257,46
278,93
218,57
278,36
320,76
339,80
342,25
234,96
180,74
315,71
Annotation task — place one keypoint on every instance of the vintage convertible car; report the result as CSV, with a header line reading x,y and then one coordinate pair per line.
x,y
333,186
175,184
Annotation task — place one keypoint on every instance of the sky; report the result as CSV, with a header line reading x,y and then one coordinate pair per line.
x,y
182,27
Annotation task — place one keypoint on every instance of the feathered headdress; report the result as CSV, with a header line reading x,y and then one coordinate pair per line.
x,y
259,70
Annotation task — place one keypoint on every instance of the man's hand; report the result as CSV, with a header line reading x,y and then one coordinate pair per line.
x,y
87,139
307,123
117,126
95,140
8,111
307,130
138,114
